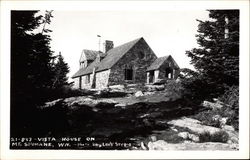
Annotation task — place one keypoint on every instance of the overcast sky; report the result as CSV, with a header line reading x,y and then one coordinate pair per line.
x,y
166,32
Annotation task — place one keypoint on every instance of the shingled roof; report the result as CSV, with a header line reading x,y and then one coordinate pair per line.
x,y
87,70
115,54
157,63
111,58
91,54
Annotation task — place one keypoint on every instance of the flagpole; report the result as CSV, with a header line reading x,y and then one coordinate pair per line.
x,y
99,42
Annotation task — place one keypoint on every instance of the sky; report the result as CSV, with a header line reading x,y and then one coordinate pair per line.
x,y
166,32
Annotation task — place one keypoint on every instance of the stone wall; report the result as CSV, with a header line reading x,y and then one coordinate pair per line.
x,y
84,84
76,83
139,57
102,79
162,69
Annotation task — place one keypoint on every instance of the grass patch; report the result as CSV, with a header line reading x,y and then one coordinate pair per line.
x,y
231,99
170,136
184,129
220,136
206,118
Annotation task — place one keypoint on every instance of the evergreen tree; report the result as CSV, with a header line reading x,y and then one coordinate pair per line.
x,y
61,71
217,58
31,68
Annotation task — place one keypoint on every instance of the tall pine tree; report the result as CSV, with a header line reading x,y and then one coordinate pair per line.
x,y
61,71
31,68
217,58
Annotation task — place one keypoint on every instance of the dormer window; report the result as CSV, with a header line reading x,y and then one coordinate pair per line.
x,y
83,64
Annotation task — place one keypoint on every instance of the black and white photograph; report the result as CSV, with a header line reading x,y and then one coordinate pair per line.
x,y
115,79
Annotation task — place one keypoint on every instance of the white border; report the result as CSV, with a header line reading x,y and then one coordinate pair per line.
x,y
6,6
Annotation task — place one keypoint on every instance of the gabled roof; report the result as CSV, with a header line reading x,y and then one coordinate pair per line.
x,y
87,70
91,54
111,58
115,54
160,61
157,63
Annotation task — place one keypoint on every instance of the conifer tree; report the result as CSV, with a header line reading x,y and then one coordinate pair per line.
x,y
217,59
61,71
31,70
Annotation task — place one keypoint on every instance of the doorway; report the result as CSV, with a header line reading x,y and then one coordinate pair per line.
x,y
151,76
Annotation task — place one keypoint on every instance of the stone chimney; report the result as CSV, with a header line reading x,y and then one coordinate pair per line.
x,y
108,45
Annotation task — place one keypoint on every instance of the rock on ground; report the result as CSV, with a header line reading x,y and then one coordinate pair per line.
x,y
183,135
194,125
87,101
186,136
117,87
160,81
52,103
155,87
138,94
163,145
212,105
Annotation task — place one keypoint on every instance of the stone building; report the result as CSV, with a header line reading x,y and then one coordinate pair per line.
x,y
162,68
131,63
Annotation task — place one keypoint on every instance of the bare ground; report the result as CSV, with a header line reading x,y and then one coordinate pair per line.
x,y
153,121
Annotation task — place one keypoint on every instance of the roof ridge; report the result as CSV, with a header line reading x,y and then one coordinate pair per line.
x,y
112,57
158,62
125,47
91,50
165,56
135,40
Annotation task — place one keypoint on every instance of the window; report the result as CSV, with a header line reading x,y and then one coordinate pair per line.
x,y
81,64
128,73
87,79
151,76
168,73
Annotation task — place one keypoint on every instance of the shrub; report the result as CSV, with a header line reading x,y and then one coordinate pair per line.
x,y
231,99
171,136
174,89
230,110
192,82
206,117
220,136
